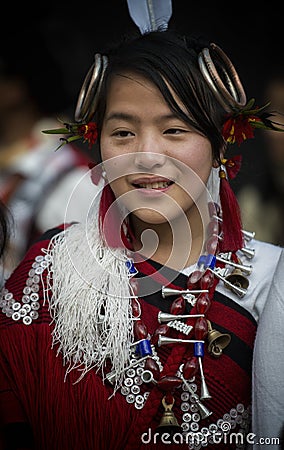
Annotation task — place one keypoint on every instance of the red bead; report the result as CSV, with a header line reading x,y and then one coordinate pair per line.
x,y
140,330
134,285
213,209
169,383
135,307
201,328
193,279
190,367
151,365
178,306
161,330
212,244
213,227
203,303
207,280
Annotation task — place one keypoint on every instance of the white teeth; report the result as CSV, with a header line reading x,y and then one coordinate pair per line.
x,y
155,185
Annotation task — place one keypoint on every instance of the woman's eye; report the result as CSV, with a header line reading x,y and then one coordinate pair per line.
x,y
123,133
174,131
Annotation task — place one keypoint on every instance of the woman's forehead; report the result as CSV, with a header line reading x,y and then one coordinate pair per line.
x,y
124,86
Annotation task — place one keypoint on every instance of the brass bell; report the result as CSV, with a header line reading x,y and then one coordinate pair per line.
x,y
217,341
168,421
237,278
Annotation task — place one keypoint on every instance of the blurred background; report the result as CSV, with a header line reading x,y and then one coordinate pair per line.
x,y
45,52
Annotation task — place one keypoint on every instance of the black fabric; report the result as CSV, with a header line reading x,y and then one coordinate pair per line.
x,y
48,234
238,350
18,436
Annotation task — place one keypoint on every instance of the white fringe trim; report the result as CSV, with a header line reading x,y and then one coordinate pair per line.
x,y
89,297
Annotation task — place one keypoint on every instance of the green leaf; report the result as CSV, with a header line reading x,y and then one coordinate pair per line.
x,y
249,104
57,131
74,138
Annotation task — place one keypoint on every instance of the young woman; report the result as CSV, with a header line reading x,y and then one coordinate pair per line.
x,y
136,328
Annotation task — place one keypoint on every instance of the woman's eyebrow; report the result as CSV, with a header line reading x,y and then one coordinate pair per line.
x,y
122,116
135,119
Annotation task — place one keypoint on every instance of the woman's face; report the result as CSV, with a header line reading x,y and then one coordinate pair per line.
x,y
156,164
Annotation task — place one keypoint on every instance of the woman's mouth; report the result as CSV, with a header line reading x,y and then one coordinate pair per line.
x,y
156,184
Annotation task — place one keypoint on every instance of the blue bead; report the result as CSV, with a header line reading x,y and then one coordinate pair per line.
x,y
131,268
210,261
144,348
199,349
202,260
207,261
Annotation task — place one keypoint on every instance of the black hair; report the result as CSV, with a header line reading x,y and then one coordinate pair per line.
x,y
5,217
166,58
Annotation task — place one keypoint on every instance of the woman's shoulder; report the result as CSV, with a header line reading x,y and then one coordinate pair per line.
x,y
34,254
262,264
267,248
266,259
22,296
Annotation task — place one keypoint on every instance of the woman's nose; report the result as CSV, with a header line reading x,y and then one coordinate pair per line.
x,y
149,160
149,155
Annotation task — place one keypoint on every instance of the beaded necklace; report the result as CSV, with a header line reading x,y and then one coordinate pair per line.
x,y
187,330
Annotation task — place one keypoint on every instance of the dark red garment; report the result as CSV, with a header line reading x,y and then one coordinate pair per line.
x,y
65,415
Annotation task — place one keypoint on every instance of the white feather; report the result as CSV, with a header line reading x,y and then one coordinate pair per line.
x,y
150,15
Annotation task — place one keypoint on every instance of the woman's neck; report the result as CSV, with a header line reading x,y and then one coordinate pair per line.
x,y
176,245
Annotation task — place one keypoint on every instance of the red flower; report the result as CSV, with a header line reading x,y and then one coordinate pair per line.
x,y
238,129
233,166
89,132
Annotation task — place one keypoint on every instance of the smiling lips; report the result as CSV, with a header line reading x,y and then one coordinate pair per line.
x,y
152,183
